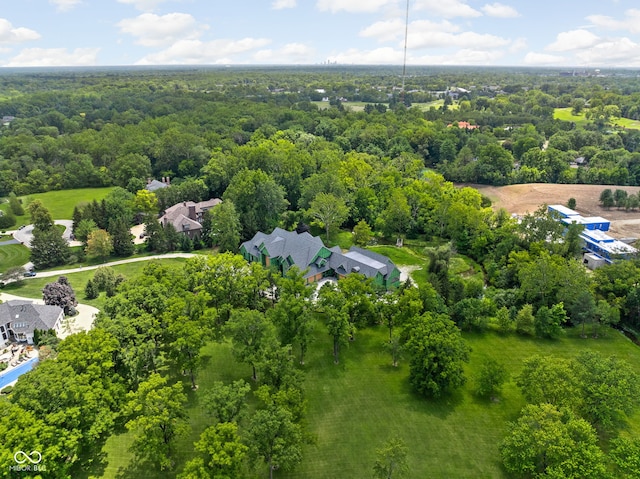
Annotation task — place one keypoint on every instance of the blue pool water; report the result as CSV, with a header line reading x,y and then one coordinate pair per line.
x,y
10,376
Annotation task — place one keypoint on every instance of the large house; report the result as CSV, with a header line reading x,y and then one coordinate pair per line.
x,y
186,217
19,319
600,248
283,249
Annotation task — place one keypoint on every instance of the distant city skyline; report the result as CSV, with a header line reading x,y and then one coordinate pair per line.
x,y
585,34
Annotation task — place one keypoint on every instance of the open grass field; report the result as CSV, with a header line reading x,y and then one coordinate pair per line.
x,y
355,406
12,255
32,287
60,203
564,114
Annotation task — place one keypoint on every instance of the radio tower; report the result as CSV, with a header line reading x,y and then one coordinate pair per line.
x,y
404,62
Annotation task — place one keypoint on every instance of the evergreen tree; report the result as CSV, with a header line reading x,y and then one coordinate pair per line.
x,y
121,237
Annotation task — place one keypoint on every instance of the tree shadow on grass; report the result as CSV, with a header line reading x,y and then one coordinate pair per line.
x,y
93,466
142,469
440,407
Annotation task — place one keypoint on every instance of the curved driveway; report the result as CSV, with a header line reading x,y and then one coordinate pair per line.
x,y
25,234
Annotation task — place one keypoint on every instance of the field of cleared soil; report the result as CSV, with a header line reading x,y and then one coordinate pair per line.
x,y
520,199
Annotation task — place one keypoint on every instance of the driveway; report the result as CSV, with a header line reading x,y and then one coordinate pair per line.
x,y
25,234
83,321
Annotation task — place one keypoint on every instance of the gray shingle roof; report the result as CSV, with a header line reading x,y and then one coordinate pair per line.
x,y
25,316
303,248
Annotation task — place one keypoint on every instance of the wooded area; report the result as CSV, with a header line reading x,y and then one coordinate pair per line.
x,y
285,147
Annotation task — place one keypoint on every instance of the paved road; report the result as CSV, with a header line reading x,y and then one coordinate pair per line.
x,y
13,241
48,274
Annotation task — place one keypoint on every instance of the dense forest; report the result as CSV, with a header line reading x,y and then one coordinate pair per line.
x,y
79,128
330,148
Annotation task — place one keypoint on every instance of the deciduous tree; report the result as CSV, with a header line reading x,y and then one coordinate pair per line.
x,y
391,460
99,244
437,353
328,211
547,442
60,293
158,417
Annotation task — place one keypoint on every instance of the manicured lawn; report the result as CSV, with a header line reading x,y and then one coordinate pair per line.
x,y
564,114
400,256
626,123
61,203
355,406
13,255
32,288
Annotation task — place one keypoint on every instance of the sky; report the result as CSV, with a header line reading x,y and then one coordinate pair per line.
x,y
574,33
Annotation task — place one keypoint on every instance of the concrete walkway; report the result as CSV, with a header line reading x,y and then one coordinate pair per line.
x,y
83,321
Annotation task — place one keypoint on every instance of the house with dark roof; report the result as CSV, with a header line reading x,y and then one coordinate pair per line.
x,y
187,217
283,249
19,319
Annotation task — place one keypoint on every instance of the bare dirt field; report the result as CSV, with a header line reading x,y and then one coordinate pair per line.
x,y
520,199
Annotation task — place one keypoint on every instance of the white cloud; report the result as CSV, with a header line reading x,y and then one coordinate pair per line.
x,y
391,30
197,52
10,34
518,45
54,57
470,40
617,52
143,5
543,59
378,56
465,56
65,5
573,40
282,4
154,30
499,10
447,8
631,21
353,6
292,53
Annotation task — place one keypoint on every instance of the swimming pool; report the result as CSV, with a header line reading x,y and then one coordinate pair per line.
x,y
10,376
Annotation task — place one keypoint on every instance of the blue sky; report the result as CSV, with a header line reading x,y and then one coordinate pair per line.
x,y
585,33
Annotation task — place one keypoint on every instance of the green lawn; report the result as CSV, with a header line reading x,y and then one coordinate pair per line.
x,y
564,114
355,406
13,255
32,287
626,123
400,256
60,203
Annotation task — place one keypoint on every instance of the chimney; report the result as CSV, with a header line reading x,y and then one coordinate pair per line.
x,y
148,181
192,212
168,181
163,180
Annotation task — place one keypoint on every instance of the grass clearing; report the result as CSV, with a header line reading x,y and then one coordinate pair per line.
x,y
565,114
61,203
12,255
400,256
353,407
